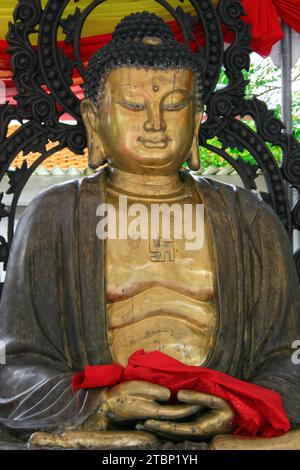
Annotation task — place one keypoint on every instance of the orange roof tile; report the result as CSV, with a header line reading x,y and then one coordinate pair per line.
x,y
63,159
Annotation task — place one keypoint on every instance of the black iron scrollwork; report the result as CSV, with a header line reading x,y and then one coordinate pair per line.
x,y
43,77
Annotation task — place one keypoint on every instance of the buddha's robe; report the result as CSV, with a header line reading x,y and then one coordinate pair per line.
x,y
53,319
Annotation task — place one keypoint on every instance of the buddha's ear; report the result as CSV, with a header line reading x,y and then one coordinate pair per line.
x,y
193,160
90,116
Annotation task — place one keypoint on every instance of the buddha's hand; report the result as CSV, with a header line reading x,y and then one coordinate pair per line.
x,y
217,420
129,401
138,401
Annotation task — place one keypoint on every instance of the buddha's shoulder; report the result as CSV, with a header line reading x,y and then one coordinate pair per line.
x,y
65,192
58,202
248,203
227,190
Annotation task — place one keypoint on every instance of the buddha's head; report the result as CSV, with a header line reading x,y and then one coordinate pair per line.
x,y
143,95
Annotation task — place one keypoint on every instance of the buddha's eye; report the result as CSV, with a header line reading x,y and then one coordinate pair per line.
x,y
171,106
131,105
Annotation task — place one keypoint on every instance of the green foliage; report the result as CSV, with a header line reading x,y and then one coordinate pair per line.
x,y
265,83
208,158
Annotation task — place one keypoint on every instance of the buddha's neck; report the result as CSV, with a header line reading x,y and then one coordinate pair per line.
x,y
146,185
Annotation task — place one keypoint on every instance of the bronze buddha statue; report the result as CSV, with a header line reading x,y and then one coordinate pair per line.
x,y
72,298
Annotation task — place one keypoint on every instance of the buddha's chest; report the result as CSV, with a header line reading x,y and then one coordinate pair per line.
x,y
160,289
134,266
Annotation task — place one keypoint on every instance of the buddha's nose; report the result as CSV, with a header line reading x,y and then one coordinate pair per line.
x,y
154,121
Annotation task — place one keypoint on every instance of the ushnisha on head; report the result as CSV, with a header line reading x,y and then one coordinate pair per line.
x,y
143,101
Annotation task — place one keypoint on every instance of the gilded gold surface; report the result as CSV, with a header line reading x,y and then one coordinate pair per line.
x,y
156,103
94,439
290,441
165,306
159,295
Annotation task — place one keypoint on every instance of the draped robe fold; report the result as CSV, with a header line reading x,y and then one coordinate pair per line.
x,y
52,312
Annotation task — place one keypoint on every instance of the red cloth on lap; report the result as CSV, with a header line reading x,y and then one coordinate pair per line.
x,y
258,410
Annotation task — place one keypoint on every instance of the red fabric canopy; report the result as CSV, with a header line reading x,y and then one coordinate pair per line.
x,y
88,46
258,411
263,16
289,12
265,25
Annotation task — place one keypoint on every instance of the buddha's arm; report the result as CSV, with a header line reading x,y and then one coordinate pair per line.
x,y
35,390
274,321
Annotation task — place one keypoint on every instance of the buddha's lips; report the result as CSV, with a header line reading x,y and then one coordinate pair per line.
x,y
159,143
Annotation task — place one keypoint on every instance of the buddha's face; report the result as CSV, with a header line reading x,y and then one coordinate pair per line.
x,y
146,119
